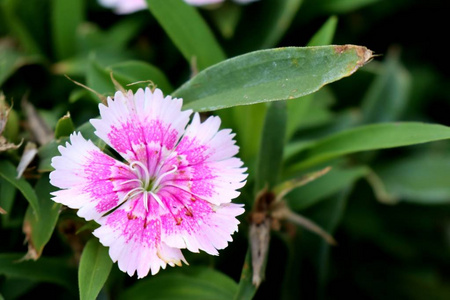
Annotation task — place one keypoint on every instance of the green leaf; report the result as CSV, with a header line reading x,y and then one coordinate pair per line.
x,y
94,269
324,36
9,173
10,61
47,152
269,19
18,28
98,79
270,75
422,178
298,109
342,6
67,15
135,71
387,97
64,127
226,18
281,16
246,288
8,193
199,283
39,232
46,269
188,31
370,137
323,187
272,145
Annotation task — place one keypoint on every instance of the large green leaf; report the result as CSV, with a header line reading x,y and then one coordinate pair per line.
x,y
270,75
198,283
39,227
422,178
54,270
94,269
301,108
272,145
67,15
188,31
370,137
9,173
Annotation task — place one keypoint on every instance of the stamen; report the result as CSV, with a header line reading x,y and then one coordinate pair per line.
x,y
131,180
146,180
129,194
157,199
158,181
146,200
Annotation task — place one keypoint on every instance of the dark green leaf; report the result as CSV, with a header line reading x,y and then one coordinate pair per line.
x,y
198,283
269,19
331,183
387,97
370,137
10,61
272,145
8,193
98,79
421,178
64,127
18,28
9,173
246,289
46,269
324,36
270,75
188,31
47,152
94,269
39,227
67,15
298,109
136,71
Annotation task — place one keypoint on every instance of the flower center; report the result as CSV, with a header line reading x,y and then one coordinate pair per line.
x,y
147,184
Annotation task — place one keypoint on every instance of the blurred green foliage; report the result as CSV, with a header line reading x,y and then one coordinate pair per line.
x,y
388,209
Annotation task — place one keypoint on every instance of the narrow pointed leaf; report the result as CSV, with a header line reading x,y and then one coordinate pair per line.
x,y
188,31
9,173
272,145
370,137
270,75
94,269
39,232
419,179
324,36
67,15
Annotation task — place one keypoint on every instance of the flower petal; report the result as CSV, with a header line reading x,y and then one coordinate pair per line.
x,y
134,237
90,180
132,123
211,172
196,224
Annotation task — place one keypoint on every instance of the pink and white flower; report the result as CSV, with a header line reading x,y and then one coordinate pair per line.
x,y
131,6
173,191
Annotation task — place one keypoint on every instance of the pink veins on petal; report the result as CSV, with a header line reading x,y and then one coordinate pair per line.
x,y
173,191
